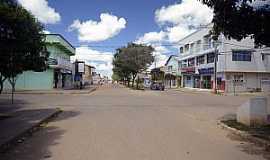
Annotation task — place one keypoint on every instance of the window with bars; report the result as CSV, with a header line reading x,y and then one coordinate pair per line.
x,y
210,57
241,56
200,60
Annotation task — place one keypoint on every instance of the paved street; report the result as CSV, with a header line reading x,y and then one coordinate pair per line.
x,y
116,123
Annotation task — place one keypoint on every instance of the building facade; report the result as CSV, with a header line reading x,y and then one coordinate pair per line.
x,y
172,77
88,75
240,66
59,72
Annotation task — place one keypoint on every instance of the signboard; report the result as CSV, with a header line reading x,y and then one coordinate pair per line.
x,y
206,70
188,70
52,61
81,67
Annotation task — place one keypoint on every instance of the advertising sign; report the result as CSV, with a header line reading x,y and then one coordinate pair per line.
x,y
81,67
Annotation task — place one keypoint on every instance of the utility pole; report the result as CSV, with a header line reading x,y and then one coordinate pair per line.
x,y
215,67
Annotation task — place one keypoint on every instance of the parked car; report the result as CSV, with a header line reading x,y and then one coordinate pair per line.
x,y
157,86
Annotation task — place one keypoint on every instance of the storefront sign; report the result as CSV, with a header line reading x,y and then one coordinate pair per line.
x,y
52,61
206,70
188,70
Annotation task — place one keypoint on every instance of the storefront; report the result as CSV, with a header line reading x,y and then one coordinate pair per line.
x,y
206,75
189,78
59,72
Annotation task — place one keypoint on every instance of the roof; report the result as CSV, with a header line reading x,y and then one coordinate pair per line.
x,y
61,42
171,56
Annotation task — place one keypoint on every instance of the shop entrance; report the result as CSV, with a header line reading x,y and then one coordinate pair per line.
x,y
206,82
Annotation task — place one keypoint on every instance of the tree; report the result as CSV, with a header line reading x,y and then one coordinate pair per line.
x,y
239,19
22,45
132,59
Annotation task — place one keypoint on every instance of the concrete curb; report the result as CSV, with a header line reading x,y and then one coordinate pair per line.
x,y
245,135
27,132
56,92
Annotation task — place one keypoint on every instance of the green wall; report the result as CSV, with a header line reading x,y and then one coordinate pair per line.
x,y
33,81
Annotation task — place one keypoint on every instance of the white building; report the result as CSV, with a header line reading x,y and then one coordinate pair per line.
x,y
172,73
240,67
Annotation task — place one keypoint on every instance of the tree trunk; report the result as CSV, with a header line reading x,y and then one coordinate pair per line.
x,y
12,81
1,86
133,79
137,84
2,80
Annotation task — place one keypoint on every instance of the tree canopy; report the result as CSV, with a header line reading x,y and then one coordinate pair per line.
x,y
239,19
22,45
132,59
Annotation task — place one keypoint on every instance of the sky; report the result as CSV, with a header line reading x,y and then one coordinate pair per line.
x,y
97,27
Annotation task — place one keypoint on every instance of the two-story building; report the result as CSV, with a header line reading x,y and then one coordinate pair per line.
x,y
59,72
172,73
88,75
240,66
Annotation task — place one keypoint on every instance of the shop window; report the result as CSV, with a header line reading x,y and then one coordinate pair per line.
x,y
200,60
241,56
210,58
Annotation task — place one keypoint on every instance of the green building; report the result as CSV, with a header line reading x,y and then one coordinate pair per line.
x,y
59,73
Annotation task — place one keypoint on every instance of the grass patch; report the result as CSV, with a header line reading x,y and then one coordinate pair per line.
x,y
258,131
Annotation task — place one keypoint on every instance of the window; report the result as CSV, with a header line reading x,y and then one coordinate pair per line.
x,y
181,50
192,47
191,62
238,78
183,63
198,45
241,56
210,58
186,47
169,68
200,60
206,42
263,57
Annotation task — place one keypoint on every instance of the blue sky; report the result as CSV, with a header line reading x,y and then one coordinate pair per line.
x,y
88,23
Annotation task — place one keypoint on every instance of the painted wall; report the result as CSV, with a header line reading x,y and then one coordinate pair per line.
x,y
33,81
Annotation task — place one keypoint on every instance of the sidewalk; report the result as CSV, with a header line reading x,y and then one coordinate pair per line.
x,y
191,90
86,90
20,122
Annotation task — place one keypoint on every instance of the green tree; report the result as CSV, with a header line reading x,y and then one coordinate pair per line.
x,y
133,59
239,19
22,46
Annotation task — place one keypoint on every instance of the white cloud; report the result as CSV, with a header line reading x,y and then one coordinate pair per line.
x,y
160,55
93,31
46,32
41,9
151,37
178,32
188,12
101,60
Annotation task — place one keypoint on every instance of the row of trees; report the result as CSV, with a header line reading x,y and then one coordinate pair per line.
x,y
22,45
130,60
